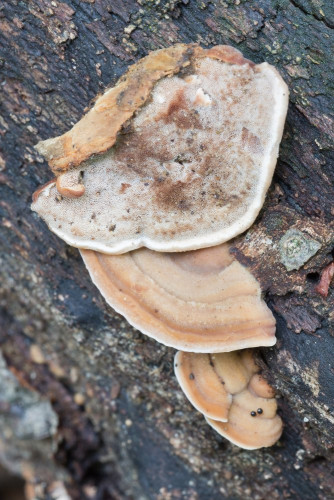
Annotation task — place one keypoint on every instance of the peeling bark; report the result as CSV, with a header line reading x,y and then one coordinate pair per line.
x,y
125,430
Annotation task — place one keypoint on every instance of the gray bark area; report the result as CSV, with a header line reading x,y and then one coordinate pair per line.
x,y
86,402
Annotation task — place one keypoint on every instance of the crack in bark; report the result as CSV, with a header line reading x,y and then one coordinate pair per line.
x,y
312,14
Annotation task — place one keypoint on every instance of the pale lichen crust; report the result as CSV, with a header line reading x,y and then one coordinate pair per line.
x,y
296,248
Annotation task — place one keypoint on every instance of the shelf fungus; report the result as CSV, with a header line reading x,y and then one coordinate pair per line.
x,y
233,397
177,156
198,301
154,180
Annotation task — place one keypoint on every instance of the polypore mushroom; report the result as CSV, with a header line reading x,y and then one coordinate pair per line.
x,y
199,301
189,140
235,400
210,380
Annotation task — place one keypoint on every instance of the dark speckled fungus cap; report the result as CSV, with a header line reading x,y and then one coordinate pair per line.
x,y
177,156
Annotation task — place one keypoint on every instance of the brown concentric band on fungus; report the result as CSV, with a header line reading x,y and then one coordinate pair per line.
x,y
200,301
189,140
235,400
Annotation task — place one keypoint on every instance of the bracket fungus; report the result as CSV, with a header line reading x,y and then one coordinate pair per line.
x,y
163,170
233,397
198,301
177,156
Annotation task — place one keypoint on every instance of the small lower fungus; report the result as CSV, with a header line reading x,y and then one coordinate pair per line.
x,y
228,390
199,301
177,156
207,394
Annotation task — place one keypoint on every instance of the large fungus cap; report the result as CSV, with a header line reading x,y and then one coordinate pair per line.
x,y
189,140
199,301
235,400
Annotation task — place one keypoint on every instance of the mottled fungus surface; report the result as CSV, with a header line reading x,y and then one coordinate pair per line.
x,y
177,156
198,301
166,166
235,400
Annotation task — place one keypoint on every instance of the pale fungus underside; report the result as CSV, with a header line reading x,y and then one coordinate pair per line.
x,y
198,301
177,156
235,400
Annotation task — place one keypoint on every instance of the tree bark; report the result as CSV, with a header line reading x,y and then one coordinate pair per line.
x,y
90,406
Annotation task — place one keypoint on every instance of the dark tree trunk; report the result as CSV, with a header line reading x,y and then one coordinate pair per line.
x,y
85,399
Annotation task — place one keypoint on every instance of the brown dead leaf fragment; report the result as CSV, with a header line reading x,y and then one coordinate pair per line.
x,y
325,280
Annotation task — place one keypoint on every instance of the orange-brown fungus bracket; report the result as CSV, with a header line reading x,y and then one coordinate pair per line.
x,y
234,398
200,301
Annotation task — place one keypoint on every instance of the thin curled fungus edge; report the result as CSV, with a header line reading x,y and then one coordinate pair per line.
x,y
123,283
227,426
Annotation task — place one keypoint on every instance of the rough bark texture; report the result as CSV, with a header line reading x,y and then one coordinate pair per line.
x,y
89,403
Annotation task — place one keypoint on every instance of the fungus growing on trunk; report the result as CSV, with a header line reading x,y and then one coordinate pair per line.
x,y
177,157
235,400
189,138
198,301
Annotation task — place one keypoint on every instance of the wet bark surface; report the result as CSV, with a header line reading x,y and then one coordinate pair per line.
x,y
89,405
